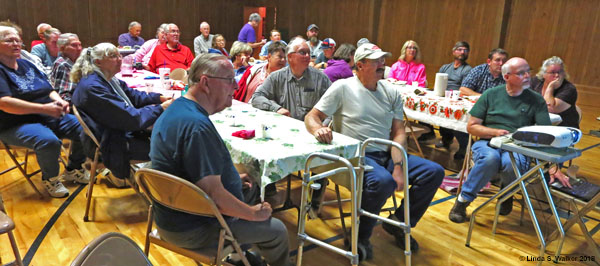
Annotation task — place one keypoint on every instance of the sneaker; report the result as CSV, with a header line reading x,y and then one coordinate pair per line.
x,y
80,176
506,207
458,214
115,181
365,250
426,137
55,188
399,235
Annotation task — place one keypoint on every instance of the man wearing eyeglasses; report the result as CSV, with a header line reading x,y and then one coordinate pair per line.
x,y
185,143
171,54
456,71
365,106
499,111
295,89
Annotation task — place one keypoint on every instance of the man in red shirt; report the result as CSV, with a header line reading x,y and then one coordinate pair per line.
x,y
172,54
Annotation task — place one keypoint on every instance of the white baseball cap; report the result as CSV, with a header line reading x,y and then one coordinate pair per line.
x,y
369,51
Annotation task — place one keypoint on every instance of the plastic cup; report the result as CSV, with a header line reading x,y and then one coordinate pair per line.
x,y
164,71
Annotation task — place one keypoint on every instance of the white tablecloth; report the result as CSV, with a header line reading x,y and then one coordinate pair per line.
x,y
285,152
441,111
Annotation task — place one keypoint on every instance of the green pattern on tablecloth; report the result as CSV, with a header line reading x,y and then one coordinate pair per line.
x,y
284,153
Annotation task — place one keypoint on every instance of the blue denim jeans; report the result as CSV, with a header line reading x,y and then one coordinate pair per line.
x,y
44,138
490,161
424,177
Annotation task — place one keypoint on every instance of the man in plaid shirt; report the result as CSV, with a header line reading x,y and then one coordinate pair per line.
x,y
70,48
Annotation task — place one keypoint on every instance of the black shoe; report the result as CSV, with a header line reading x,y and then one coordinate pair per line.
x,y
460,154
365,250
443,144
426,137
399,235
458,214
506,207
253,258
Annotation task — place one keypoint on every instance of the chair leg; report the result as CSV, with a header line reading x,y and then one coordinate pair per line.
x,y
23,167
15,248
342,215
465,166
148,229
412,134
93,175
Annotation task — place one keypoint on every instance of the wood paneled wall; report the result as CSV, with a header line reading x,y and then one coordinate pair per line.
x,y
533,29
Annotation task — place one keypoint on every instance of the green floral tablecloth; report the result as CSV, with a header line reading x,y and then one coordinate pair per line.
x,y
286,149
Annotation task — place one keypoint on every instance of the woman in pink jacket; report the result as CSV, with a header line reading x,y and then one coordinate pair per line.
x,y
409,67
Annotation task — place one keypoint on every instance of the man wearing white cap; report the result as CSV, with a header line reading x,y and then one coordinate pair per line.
x,y
365,106
328,48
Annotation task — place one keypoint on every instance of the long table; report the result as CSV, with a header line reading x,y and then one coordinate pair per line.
x,y
266,159
284,152
441,111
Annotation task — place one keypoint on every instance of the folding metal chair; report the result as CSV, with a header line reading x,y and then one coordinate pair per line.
x,y
22,166
96,164
111,249
181,195
6,227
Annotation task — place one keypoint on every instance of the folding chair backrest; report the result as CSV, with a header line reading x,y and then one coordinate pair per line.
x,y
86,129
111,249
176,193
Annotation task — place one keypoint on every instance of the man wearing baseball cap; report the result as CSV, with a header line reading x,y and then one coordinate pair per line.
x,y
328,48
312,37
365,106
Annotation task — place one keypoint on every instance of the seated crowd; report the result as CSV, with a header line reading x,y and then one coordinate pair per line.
x,y
308,79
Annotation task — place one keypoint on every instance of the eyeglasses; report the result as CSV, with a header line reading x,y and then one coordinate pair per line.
x,y
174,32
11,41
230,81
522,73
462,50
411,48
555,72
302,52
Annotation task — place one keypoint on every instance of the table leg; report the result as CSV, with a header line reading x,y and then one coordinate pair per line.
x,y
504,191
553,209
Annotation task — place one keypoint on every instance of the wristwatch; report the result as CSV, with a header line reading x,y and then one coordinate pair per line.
x,y
401,163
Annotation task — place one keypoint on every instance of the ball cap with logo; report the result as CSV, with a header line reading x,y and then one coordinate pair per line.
x,y
327,43
369,51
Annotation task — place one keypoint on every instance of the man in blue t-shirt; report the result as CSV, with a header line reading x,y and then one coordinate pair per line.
x,y
185,143
499,111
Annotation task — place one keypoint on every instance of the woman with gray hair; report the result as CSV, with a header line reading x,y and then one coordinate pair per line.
x,y
145,52
117,115
560,94
33,115
240,55
218,46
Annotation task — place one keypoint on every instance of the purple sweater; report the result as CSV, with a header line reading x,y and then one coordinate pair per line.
x,y
337,69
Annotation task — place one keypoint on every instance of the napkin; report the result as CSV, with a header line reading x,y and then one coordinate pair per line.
x,y
245,134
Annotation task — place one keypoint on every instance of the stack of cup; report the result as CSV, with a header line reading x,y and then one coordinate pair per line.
x,y
164,72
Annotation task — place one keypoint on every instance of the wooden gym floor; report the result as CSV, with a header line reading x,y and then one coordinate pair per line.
x,y
52,231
